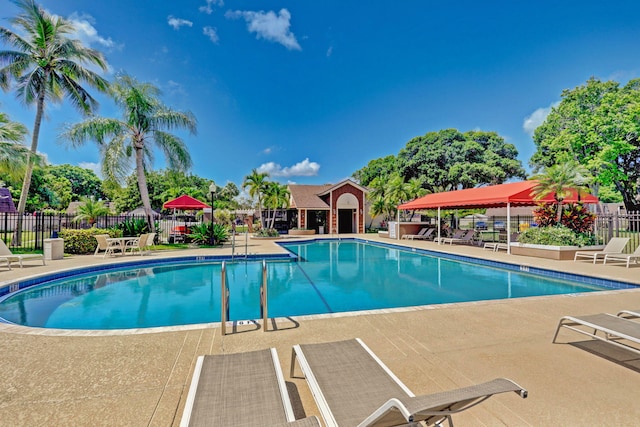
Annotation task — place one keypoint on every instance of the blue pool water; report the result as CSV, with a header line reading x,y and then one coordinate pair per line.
x,y
329,276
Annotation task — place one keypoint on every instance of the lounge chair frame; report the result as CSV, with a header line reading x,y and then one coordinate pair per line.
x,y
9,257
615,246
466,238
612,328
635,256
262,373
407,409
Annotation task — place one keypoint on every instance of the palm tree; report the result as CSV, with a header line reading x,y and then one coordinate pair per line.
x,y
13,155
257,183
276,196
127,140
561,180
90,210
47,66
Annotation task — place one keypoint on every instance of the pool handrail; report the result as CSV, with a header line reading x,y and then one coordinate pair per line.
x,y
264,312
224,299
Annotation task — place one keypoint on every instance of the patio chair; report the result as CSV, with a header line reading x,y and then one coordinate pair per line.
x,y
138,245
104,245
614,329
151,237
635,256
615,246
6,254
420,233
240,389
351,386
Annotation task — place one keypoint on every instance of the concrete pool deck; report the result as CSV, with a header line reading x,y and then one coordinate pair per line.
x,y
142,379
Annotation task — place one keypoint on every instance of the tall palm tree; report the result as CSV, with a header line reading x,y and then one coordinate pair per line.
x,y
257,183
276,196
130,139
47,66
561,180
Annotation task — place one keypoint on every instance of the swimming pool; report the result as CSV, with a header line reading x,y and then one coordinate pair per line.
x,y
325,276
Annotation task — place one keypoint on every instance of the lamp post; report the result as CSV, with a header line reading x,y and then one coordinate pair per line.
x,y
212,191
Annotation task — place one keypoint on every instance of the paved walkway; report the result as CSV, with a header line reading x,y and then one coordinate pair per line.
x,y
142,379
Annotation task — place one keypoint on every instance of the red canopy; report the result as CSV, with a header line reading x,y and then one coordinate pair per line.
x,y
516,194
185,203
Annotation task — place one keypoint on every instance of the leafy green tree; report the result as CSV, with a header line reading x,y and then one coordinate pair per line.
x,y
596,125
47,66
561,180
84,182
451,159
59,191
90,210
381,167
130,139
256,182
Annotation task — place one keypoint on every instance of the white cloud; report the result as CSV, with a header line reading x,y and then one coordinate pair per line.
x,y
175,88
269,26
87,33
95,167
208,8
303,168
176,23
211,33
267,150
329,51
536,118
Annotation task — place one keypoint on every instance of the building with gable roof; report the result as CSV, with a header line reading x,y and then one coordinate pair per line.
x,y
337,208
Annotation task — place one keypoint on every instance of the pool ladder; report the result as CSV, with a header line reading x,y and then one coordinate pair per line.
x,y
224,315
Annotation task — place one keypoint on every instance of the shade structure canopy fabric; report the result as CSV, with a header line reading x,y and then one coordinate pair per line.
x,y
185,203
513,194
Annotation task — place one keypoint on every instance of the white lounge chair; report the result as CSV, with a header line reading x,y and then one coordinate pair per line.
x,y
635,257
614,330
496,246
457,234
411,236
615,246
240,390
466,238
6,254
352,386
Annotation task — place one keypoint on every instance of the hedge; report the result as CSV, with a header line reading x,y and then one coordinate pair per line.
x,y
82,241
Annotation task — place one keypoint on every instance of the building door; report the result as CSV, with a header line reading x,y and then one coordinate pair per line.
x,y
345,220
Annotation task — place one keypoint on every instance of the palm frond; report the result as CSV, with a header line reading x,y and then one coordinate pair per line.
x,y
175,150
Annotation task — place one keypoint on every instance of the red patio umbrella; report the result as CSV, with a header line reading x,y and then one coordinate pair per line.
x,y
185,203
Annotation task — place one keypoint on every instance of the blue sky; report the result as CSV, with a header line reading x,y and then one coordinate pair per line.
x,y
311,91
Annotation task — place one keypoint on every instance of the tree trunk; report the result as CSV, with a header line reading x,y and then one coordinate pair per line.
x,y
142,184
26,183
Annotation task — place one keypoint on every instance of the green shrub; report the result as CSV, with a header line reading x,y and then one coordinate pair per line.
x,y
267,232
202,233
555,236
82,241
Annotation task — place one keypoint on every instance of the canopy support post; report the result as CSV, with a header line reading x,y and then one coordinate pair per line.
x,y
438,225
509,228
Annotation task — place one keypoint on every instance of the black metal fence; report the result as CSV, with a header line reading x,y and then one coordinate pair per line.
x,y
38,226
